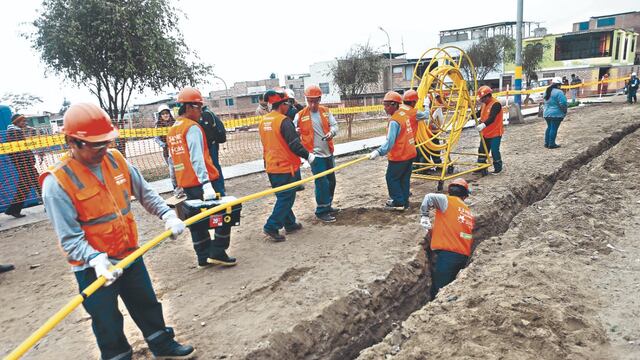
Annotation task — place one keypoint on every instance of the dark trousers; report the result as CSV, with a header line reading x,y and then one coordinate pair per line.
x,y
282,214
493,145
218,183
200,236
447,266
135,289
27,179
326,185
631,96
552,131
399,181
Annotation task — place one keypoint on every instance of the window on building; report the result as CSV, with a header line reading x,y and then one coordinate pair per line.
x,y
615,48
606,22
583,46
397,69
324,87
408,72
548,74
633,44
228,102
624,49
583,25
255,99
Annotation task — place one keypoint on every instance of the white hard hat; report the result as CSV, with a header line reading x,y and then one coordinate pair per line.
x,y
163,107
556,80
290,93
633,74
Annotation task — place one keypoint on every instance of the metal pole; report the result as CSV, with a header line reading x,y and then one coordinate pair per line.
x,y
226,90
390,66
518,72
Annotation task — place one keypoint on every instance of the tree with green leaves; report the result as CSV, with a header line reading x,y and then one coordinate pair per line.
x,y
487,55
20,101
115,47
360,68
531,60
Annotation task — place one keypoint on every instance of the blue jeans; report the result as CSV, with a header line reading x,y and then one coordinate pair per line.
x,y
135,289
493,145
282,215
631,95
399,181
218,184
447,266
200,236
326,185
552,131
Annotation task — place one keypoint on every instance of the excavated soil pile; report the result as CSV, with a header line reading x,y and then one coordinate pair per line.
x,y
332,290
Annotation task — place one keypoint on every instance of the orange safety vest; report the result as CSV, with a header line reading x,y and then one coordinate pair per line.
x,y
186,176
278,157
411,113
305,124
404,148
104,209
452,229
496,128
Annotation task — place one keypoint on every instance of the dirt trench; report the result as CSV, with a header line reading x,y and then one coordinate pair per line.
x,y
360,318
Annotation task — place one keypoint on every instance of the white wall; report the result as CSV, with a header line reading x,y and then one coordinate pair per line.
x,y
319,73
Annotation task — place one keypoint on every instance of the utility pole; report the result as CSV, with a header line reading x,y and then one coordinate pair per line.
x,y
226,90
518,72
390,66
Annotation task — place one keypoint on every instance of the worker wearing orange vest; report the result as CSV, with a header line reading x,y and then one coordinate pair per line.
x,y
195,173
400,145
409,100
491,127
87,196
317,128
451,237
282,151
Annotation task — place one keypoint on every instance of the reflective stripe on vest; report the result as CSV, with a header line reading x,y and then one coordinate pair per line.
x,y
452,229
186,176
103,207
403,149
496,128
305,124
278,157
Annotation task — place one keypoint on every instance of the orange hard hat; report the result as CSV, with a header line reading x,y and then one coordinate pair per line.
x,y
483,91
460,182
410,95
88,122
274,96
189,94
392,96
313,91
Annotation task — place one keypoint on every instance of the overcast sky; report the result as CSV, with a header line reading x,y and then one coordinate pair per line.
x,y
248,40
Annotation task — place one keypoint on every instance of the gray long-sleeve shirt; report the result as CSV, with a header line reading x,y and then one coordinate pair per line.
x,y
438,201
64,217
320,147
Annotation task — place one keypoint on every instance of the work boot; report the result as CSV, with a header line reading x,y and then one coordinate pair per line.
x,y
334,211
326,217
274,235
5,268
222,259
390,205
16,215
295,227
166,348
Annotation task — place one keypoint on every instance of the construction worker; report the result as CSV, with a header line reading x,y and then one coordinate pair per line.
x,y
165,119
490,127
196,174
87,197
400,145
451,236
409,100
263,106
282,151
317,128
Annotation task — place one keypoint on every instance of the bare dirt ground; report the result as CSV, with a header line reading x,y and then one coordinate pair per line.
x,y
536,286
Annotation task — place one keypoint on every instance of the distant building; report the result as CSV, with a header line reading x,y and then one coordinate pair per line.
x,y
240,99
320,74
628,21
295,82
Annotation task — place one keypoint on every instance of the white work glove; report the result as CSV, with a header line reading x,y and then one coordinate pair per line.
x,y
171,222
328,136
101,265
481,126
208,193
311,158
425,222
374,154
